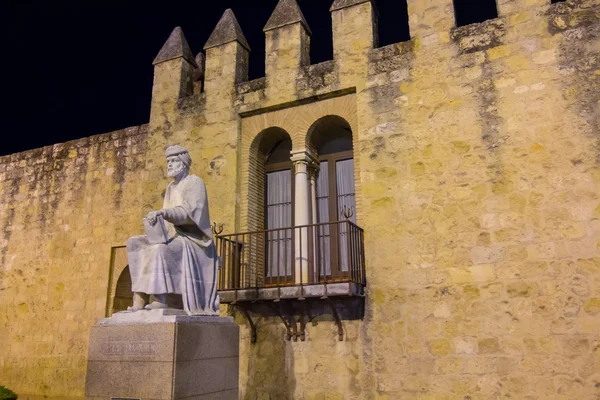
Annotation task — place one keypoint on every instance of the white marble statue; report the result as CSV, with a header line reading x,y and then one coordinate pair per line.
x,y
187,263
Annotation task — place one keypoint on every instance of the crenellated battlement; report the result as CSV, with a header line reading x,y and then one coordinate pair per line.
x,y
222,74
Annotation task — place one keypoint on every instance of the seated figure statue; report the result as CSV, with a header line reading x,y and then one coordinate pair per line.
x,y
187,263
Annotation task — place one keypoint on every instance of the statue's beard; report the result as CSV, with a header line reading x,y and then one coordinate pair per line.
x,y
173,172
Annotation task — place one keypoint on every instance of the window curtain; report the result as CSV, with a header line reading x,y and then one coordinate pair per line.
x,y
323,234
279,215
344,174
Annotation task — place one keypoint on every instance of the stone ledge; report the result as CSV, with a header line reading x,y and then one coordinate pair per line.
x,y
252,86
479,36
168,315
291,292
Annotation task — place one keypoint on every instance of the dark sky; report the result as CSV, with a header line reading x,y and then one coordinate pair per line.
x,y
76,70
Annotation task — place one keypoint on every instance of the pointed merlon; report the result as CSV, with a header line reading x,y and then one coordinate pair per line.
x,y
286,12
175,47
339,4
227,30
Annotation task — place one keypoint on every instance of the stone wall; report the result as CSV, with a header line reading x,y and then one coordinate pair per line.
x,y
481,141
477,162
62,208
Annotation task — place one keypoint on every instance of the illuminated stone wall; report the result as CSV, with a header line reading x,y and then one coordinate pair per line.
x,y
478,187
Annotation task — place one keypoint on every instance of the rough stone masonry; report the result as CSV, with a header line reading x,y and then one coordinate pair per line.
x,y
477,174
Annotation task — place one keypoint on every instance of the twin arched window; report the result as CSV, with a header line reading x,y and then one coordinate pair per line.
x,y
330,191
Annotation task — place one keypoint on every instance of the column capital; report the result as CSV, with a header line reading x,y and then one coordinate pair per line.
x,y
302,160
303,155
313,170
300,167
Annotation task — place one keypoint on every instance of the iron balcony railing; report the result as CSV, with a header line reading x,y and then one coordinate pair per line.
x,y
300,255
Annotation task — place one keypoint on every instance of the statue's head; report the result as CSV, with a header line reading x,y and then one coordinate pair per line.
x,y
178,160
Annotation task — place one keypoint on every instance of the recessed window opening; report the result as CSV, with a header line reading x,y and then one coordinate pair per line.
x,y
123,294
473,11
279,211
331,137
393,21
280,152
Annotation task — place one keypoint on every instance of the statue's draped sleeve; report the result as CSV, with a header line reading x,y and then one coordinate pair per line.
x,y
192,199
177,216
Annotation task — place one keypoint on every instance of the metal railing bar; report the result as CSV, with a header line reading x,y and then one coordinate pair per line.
x,y
295,226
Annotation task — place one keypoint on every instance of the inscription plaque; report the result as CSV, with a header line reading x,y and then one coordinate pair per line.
x,y
129,348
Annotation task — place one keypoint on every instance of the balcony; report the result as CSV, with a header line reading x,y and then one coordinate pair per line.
x,y
293,270
308,261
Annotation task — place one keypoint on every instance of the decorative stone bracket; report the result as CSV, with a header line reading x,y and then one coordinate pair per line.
x,y
296,314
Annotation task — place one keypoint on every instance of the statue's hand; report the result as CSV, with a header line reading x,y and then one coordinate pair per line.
x,y
152,216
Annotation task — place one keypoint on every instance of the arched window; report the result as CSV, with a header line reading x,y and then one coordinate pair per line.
x,y
270,209
331,139
297,231
279,210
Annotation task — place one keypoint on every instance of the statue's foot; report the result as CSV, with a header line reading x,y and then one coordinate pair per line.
x,y
134,308
155,305
139,301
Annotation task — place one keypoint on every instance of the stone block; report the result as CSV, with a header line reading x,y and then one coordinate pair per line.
x,y
440,347
487,346
521,289
486,255
592,306
109,379
206,376
160,356
465,345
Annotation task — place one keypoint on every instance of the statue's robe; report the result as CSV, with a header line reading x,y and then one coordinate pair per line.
x,y
187,264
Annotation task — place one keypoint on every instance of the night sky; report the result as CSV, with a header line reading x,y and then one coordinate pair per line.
x,y
76,70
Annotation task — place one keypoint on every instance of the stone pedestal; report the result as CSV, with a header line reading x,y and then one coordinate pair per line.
x,y
163,354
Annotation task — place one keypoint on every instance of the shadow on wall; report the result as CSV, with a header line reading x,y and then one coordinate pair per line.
x,y
270,363
123,294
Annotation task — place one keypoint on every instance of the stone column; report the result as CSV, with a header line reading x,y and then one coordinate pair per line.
x,y
302,214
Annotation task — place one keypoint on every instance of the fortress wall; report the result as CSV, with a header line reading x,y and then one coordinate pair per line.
x,y
62,208
478,184
479,190
481,197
